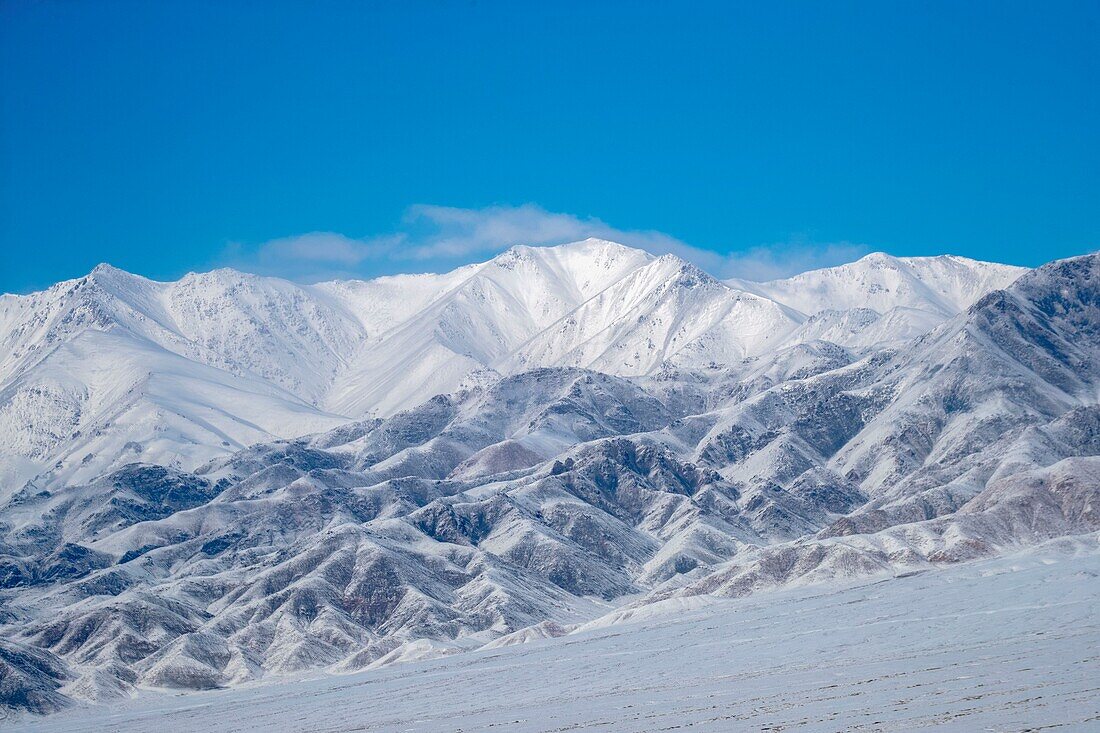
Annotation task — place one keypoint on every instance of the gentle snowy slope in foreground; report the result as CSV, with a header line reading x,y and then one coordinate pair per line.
x,y
1002,645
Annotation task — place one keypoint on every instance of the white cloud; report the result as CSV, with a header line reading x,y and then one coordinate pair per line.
x,y
455,232
443,236
328,247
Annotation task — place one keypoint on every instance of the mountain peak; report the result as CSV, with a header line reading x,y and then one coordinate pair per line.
x,y
224,274
105,272
104,268
875,258
944,284
687,273
114,280
596,242
590,247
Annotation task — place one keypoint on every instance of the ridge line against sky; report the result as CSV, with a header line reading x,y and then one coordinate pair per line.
x,y
177,136
449,237
439,239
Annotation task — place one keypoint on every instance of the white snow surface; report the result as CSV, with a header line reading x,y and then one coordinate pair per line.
x,y
1000,645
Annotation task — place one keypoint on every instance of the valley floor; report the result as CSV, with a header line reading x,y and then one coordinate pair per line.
x,y
1011,644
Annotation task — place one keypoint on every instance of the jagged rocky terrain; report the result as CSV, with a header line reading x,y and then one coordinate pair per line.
x,y
1006,644
229,478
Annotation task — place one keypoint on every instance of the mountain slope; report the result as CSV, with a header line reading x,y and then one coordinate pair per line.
x,y
668,310
881,301
456,339
944,285
103,369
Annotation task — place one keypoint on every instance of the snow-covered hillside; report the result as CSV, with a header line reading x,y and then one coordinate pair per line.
x,y
482,314
944,285
880,300
1002,645
113,368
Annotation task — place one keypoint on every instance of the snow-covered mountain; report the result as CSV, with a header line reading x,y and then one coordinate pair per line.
x,y
946,284
236,477
667,311
473,319
880,300
114,368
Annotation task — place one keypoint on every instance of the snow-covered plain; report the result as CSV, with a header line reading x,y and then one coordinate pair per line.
x,y
1010,644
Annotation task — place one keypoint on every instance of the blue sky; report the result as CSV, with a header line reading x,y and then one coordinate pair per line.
x,y
311,139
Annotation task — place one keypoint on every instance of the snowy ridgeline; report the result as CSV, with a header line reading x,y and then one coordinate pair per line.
x,y
614,433
113,368
1005,645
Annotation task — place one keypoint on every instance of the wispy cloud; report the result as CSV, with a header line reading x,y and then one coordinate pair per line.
x,y
326,247
783,259
433,236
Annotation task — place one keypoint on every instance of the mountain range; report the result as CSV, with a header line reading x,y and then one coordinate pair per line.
x,y
114,368
228,478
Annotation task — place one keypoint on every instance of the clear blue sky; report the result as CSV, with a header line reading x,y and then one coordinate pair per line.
x,y
170,136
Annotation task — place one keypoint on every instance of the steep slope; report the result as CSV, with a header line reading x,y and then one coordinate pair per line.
x,y
288,335
289,556
668,310
99,371
1021,356
456,339
983,435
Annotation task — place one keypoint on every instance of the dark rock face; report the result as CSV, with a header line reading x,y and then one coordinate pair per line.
x,y
141,493
68,562
72,561
30,678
